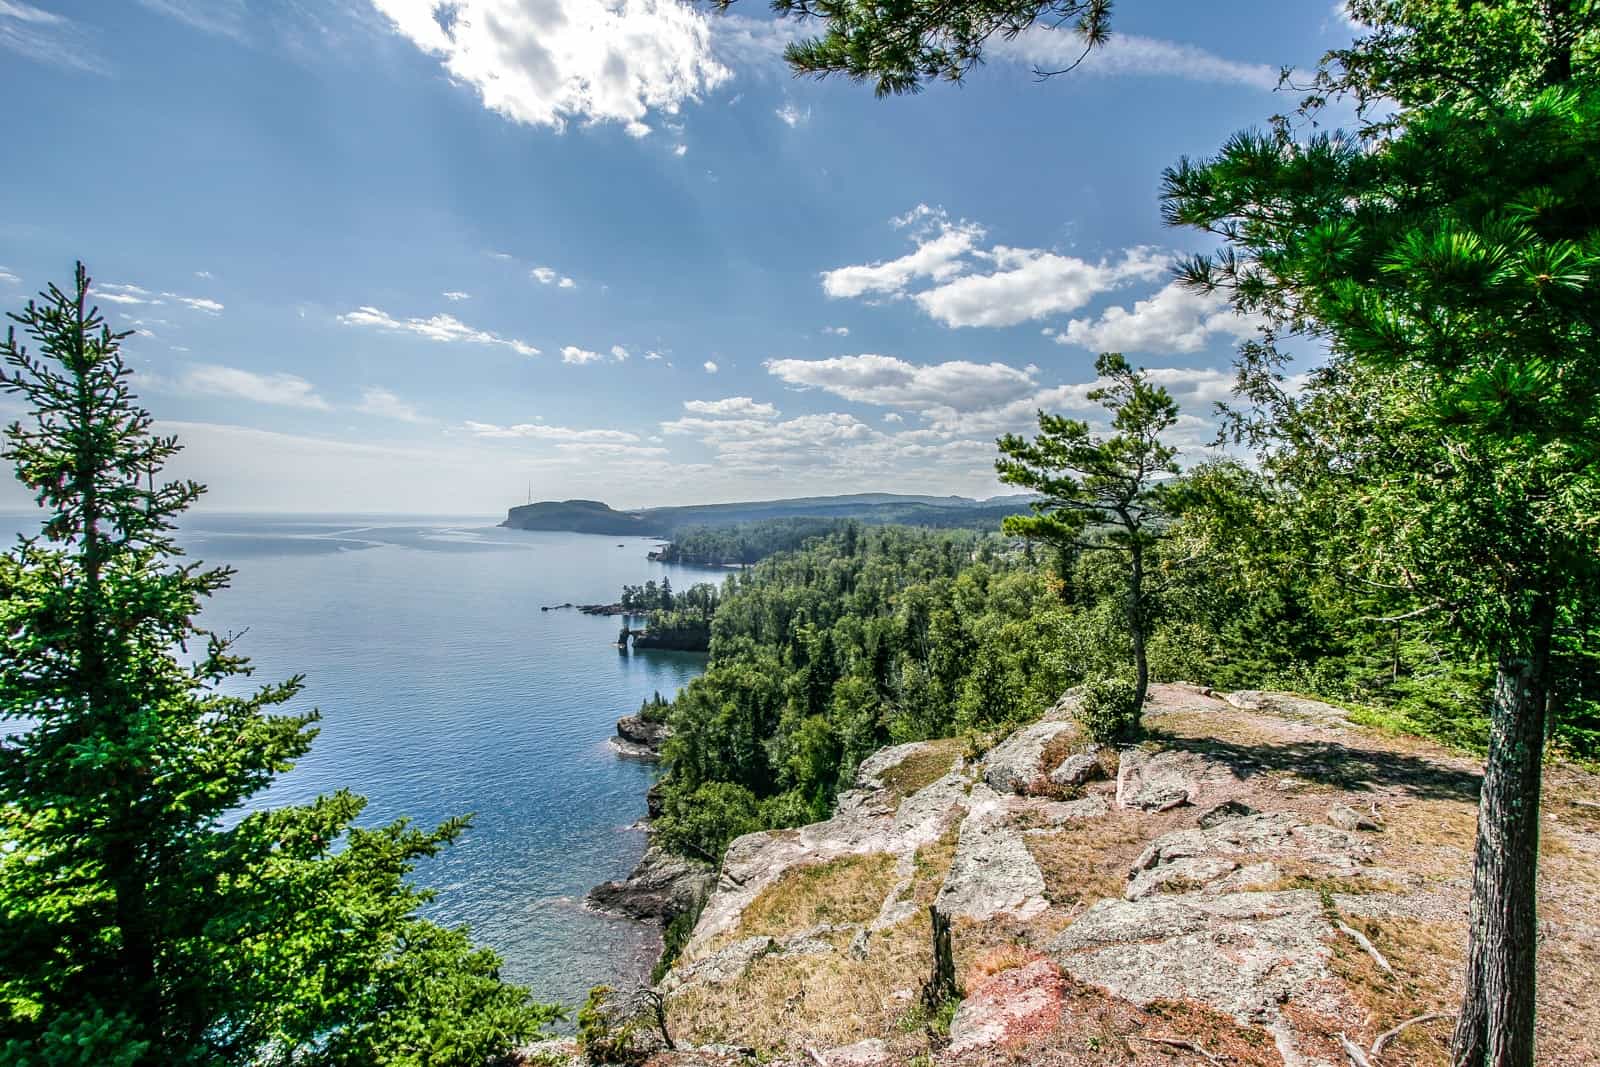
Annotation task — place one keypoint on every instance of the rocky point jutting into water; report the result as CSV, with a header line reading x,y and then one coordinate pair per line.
x,y
1259,882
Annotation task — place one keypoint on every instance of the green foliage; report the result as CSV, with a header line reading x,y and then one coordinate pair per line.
x,y
1115,484
1107,709
901,46
142,920
602,1037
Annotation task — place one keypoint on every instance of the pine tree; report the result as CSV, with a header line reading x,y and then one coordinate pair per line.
x,y
143,921
1110,486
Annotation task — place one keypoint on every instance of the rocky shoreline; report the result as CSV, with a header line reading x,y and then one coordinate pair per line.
x,y
638,738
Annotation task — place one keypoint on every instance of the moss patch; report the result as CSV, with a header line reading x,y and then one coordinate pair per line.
x,y
923,768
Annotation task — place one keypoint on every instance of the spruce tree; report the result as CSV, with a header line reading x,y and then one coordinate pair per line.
x,y
144,917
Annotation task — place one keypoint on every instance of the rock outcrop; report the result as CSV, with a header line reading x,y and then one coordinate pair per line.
x,y
639,738
661,886
1197,897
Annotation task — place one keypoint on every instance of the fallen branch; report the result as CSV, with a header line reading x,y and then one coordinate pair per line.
x,y
1353,1050
1175,1042
815,1057
1372,950
1389,1035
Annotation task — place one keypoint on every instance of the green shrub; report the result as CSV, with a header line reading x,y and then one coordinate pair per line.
x,y
1106,711
603,1037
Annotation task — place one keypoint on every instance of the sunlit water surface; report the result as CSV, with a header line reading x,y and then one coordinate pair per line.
x,y
445,690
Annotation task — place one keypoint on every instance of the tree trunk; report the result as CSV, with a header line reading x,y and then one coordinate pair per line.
x,y
941,984
1495,1025
1141,667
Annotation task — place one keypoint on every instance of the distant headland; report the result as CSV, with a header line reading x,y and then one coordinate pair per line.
x,y
595,517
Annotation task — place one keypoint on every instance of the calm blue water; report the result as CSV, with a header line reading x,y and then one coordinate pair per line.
x,y
445,690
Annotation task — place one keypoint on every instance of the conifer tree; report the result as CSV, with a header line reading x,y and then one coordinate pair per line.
x,y
144,919
1110,485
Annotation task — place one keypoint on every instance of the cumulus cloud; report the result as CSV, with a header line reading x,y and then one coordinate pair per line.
x,y
445,328
652,355
386,405
680,150
731,406
1030,283
1128,54
1175,319
710,366
548,62
538,431
234,383
619,353
940,244
454,295
891,382
837,331
792,116
579,356
550,276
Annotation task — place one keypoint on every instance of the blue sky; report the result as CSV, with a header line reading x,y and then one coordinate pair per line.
x,y
391,255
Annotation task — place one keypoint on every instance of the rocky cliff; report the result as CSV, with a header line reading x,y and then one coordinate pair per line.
x,y
1259,882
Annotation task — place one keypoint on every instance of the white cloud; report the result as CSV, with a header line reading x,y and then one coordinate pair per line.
x,y
446,328
637,129
940,246
710,366
551,276
202,274
893,416
123,294
792,116
574,354
453,295
198,303
46,37
1130,54
538,431
652,355
1175,319
1030,283
545,62
837,331
386,405
234,383
7,278
732,407
619,353
891,382
680,150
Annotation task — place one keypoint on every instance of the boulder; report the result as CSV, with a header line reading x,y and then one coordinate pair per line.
x,y
1347,818
1154,782
661,886
1288,706
1179,876
1008,1008
638,738
1079,768
1228,809
1009,766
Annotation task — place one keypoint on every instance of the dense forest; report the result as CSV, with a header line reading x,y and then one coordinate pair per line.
x,y
877,635
678,621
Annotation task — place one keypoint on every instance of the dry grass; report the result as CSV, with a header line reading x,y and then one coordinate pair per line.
x,y
1088,861
923,768
931,865
788,1002
1427,960
849,889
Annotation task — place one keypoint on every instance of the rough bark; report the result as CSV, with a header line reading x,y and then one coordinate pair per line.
x,y
1495,1027
1141,665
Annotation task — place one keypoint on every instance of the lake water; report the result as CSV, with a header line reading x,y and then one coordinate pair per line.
x,y
445,690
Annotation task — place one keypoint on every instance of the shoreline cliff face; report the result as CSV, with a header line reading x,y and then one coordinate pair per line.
x,y
1258,877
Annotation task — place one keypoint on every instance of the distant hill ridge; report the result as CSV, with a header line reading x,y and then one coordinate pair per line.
x,y
596,517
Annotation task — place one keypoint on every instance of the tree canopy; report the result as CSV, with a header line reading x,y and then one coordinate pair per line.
x,y
146,915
